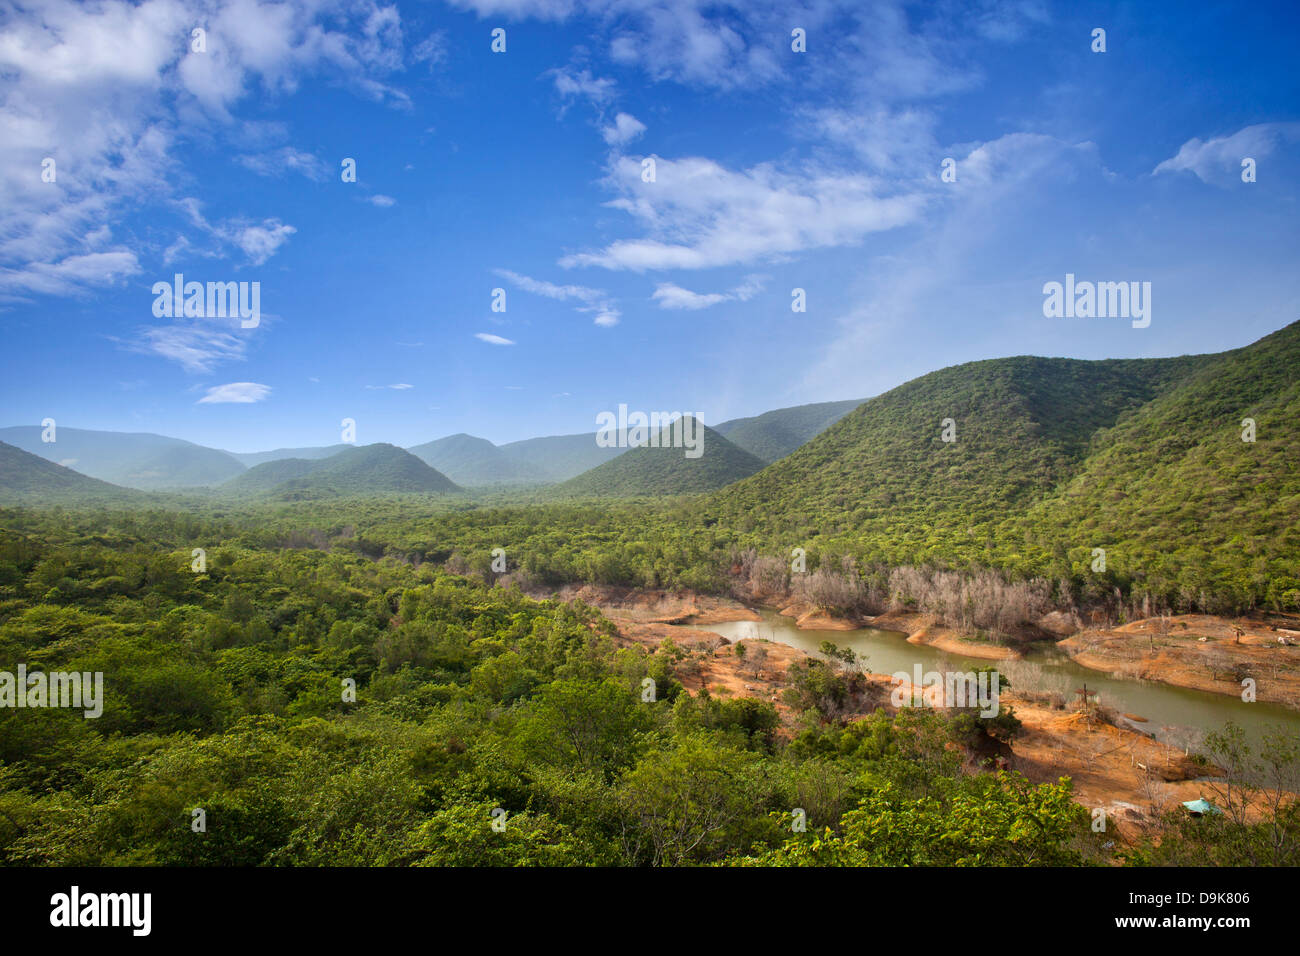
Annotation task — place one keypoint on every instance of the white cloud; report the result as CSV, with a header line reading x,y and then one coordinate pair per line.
x,y
624,129
491,339
593,300
401,386
1219,160
260,242
286,159
112,92
699,214
382,201
242,393
570,84
197,348
672,296
431,50
69,275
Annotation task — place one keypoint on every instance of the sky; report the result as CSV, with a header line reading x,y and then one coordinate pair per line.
x,y
617,204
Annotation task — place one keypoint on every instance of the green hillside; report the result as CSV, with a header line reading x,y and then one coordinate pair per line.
x,y
30,479
664,470
370,469
777,433
134,459
883,475
559,457
467,460
1180,502
252,458
1055,457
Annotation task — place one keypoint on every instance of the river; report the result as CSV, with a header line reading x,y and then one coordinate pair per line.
x,y
1045,668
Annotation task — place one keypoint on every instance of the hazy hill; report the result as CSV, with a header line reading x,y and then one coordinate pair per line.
x,y
560,457
251,458
30,479
664,470
775,434
468,460
134,459
369,469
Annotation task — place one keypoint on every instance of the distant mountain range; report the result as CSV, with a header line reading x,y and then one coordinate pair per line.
x,y
369,469
661,469
773,435
249,459
26,478
467,460
134,459
155,463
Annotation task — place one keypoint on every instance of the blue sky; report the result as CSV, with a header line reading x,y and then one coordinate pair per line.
x,y
522,170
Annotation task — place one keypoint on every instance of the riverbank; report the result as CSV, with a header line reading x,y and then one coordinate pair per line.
x,y
1218,655
1125,772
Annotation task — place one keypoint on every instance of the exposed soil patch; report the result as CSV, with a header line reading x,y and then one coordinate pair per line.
x,y
1200,651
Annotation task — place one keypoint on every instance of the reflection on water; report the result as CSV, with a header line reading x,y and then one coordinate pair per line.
x,y
1045,668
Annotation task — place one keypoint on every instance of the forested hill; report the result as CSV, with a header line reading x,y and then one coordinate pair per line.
x,y
468,460
370,469
1049,459
664,470
28,478
134,459
777,433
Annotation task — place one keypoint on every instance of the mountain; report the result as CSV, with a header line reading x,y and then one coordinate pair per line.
x,y
1052,458
467,460
30,479
775,434
1021,426
251,458
134,459
370,469
664,470
1179,498
560,457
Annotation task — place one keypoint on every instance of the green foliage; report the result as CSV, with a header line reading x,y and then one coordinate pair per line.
x,y
224,692
663,470
370,469
777,433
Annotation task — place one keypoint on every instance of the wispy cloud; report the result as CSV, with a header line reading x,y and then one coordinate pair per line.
x,y
115,85
401,386
593,300
382,201
198,348
699,214
70,275
286,159
1218,160
237,393
672,296
491,339
623,130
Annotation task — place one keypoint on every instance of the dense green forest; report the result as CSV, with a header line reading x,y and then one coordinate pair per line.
x,y
664,468
227,690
